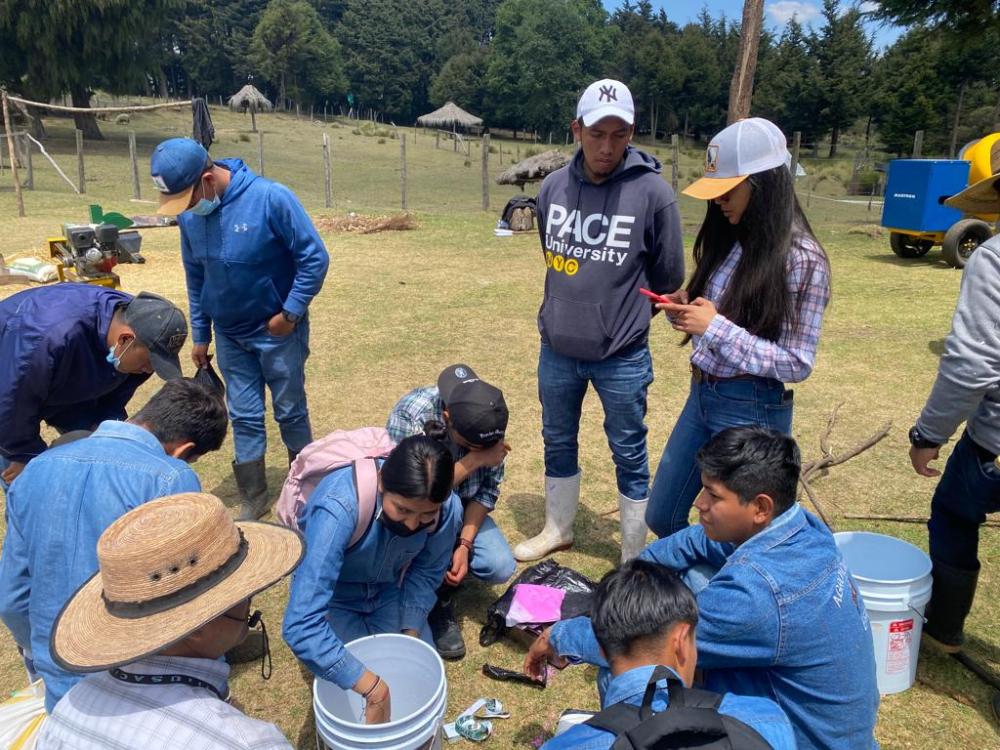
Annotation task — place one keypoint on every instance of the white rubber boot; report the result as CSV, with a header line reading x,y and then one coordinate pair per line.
x,y
562,498
633,520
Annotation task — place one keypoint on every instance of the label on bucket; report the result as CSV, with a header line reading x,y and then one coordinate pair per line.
x,y
900,637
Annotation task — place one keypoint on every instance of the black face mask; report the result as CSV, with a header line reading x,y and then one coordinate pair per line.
x,y
399,528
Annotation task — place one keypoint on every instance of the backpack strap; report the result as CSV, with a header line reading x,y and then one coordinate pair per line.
x,y
618,719
365,474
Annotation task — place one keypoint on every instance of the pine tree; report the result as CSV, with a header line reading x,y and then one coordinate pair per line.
x,y
844,53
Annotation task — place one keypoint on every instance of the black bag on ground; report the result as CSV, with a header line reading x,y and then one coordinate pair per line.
x,y
692,720
520,212
579,590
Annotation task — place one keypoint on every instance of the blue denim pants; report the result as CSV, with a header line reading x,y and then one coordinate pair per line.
x,y
364,609
491,560
711,407
621,383
248,363
968,490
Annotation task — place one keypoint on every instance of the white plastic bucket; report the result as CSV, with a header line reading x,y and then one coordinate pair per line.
x,y
415,675
894,578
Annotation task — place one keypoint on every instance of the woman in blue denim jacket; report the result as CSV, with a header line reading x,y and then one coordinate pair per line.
x,y
386,581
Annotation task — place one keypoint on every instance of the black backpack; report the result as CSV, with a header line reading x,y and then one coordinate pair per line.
x,y
692,720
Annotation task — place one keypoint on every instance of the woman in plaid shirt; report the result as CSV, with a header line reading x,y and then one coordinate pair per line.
x,y
752,309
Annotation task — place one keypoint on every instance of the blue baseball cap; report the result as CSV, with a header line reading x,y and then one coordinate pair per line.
x,y
176,166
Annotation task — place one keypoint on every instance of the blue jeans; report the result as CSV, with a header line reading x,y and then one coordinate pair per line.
x,y
491,560
968,490
247,364
711,407
377,611
621,383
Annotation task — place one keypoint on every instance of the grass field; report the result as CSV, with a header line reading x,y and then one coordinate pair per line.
x,y
399,306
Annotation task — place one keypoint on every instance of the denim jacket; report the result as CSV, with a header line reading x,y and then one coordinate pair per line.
x,y
780,619
760,714
57,509
379,563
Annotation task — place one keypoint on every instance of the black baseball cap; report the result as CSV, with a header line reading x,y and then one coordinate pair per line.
x,y
477,410
162,328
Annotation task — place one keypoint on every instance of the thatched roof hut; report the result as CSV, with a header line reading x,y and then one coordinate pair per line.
x,y
533,168
449,116
249,99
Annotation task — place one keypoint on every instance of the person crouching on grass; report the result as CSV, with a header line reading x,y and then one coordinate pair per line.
x,y
781,617
471,416
383,583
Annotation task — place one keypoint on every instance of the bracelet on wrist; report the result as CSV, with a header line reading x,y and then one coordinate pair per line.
x,y
464,543
367,694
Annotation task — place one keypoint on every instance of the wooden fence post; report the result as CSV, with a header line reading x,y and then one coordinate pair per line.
x,y
796,148
136,190
81,177
486,172
9,125
437,139
402,171
675,155
918,144
29,168
327,171
260,152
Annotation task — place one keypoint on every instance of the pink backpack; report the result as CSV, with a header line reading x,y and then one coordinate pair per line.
x,y
358,448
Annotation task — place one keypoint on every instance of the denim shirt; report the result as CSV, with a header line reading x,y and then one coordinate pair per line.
x,y
780,619
379,564
56,510
760,714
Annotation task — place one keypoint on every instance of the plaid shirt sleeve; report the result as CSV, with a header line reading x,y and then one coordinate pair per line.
x,y
483,486
411,411
728,349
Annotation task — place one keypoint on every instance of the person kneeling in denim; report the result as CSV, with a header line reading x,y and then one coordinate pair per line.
x,y
781,617
644,619
471,415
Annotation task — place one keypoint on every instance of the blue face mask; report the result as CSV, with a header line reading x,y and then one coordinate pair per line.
x,y
113,359
204,207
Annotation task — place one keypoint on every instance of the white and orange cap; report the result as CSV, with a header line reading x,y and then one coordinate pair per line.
x,y
605,98
744,148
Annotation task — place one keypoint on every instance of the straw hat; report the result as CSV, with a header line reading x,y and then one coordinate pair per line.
x,y
981,197
167,568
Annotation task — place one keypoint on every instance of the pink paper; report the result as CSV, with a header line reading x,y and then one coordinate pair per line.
x,y
535,604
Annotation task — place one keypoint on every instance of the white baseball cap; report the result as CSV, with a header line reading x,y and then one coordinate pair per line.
x,y
744,148
605,98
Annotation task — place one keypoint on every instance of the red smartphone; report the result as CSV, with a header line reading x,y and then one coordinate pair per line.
x,y
656,297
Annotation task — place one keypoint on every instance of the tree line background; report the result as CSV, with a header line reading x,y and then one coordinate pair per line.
x,y
521,64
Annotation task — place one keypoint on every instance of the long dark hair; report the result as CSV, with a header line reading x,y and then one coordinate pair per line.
x,y
757,297
419,468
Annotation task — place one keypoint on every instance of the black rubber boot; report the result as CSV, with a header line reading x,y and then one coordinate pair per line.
x,y
251,649
951,599
252,483
447,634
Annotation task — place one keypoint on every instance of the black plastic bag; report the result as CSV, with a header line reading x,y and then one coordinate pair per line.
x,y
209,379
579,590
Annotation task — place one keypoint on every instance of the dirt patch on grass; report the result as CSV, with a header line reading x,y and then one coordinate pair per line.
x,y
361,224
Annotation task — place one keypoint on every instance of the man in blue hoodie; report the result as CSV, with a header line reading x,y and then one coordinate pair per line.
x,y
609,226
253,262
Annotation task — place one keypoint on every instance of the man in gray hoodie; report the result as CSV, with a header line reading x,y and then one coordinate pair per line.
x,y
609,225
967,389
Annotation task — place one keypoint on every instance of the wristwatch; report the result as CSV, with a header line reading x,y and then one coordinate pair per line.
x,y
917,440
290,318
